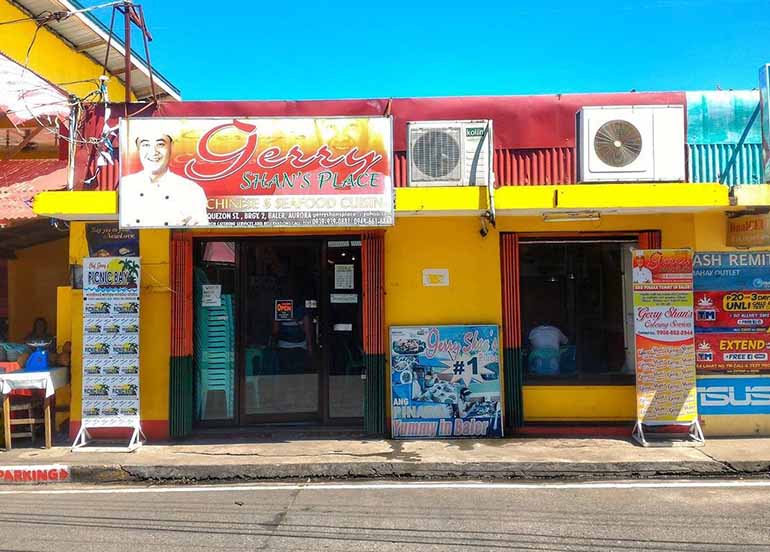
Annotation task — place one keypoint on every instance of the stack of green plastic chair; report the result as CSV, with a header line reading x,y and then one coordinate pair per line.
x,y
214,350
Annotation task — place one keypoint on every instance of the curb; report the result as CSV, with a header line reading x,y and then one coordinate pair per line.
x,y
189,474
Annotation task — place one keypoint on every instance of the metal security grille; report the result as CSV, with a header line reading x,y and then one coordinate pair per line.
x,y
436,154
373,266
181,377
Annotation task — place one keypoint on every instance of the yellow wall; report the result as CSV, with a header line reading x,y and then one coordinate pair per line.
x,y
32,281
50,57
154,325
454,243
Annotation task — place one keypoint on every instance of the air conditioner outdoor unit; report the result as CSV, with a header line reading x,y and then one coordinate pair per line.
x,y
642,143
449,153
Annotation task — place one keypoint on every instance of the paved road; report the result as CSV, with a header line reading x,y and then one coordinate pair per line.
x,y
702,516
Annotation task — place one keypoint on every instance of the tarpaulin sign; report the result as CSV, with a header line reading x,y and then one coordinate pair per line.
x,y
256,172
734,396
445,382
110,380
665,352
733,353
732,312
741,311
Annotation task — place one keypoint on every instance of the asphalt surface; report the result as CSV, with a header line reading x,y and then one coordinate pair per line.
x,y
710,516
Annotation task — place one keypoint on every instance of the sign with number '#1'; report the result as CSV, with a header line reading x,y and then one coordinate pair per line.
x,y
445,381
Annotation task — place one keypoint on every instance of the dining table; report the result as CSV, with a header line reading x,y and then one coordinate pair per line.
x,y
47,380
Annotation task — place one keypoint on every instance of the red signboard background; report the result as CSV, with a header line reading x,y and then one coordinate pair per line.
x,y
726,310
744,353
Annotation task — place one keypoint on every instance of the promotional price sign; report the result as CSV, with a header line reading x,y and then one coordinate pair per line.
x,y
256,172
665,353
732,312
445,382
110,345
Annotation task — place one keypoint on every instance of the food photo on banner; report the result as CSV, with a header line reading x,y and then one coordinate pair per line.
x,y
256,172
445,381
732,330
665,353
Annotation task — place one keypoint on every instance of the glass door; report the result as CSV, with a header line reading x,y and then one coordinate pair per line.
x,y
343,324
280,331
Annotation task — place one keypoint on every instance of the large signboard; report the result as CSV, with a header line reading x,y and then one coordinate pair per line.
x,y
111,342
732,312
734,396
256,172
445,382
663,324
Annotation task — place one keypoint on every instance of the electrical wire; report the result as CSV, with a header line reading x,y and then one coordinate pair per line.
x,y
47,16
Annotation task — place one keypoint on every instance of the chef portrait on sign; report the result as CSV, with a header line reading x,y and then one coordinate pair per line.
x,y
156,197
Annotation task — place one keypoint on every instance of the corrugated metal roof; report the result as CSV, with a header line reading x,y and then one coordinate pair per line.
x,y
708,161
86,34
20,180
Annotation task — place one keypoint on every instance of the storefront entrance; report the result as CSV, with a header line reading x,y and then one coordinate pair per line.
x,y
278,331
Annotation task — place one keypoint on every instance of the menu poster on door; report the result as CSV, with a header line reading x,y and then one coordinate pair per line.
x,y
732,312
111,341
663,324
445,382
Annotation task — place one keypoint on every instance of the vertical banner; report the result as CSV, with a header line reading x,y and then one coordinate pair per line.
x,y
665,350
111,342
445,382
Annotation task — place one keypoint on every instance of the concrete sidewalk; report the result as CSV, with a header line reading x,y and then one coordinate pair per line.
x,y
525,458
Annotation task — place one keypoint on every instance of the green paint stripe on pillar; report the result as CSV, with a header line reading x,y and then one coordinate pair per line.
x,y
374,400
181,397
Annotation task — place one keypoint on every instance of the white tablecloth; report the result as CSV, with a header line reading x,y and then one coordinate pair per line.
x,y
50,380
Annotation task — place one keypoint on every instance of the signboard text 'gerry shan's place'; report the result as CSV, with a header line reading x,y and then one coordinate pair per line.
x,y
255,172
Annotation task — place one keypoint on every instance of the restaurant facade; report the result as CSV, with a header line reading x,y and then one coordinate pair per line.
x,y
380,265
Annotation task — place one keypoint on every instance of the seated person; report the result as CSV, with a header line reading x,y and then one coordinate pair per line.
x,y
545,341
39,334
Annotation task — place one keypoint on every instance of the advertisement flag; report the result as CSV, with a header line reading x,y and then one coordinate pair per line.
x,y
445,382
665,352
110,344
256,172
732,312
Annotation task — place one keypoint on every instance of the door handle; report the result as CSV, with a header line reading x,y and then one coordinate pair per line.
x,y
317,325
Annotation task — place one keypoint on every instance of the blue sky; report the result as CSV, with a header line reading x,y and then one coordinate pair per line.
x,y
236,49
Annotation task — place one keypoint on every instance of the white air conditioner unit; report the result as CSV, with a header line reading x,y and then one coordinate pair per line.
x,y
449,153
642,143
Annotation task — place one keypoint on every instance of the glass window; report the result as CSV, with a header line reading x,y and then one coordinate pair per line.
x,y
574,309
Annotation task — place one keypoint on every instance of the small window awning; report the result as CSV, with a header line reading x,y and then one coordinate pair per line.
x,y
21,179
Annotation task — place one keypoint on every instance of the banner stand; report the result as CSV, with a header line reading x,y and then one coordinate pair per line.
x,y
694,433
111,353
666,389
84,438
